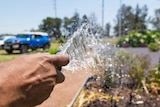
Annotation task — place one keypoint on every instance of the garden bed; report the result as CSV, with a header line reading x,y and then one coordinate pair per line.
x,y
64,94
95,94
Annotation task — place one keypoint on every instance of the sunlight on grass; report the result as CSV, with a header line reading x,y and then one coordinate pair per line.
x,y
6,57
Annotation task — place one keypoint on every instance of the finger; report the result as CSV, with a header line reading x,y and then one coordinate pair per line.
x,y
59,60
55,73
60,77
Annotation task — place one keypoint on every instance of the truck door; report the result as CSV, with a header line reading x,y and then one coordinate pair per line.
x,y
39,40
33,42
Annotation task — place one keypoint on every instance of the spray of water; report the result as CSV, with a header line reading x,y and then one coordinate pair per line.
x,y
86,49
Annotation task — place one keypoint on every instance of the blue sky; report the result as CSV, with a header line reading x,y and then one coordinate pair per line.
x,y
19,15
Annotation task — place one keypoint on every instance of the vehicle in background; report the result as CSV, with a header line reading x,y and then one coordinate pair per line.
x,y
3,39
27,40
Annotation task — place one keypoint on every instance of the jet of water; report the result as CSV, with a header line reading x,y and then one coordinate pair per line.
x,y
86,49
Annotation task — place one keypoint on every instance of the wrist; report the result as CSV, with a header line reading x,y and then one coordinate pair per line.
x,y
10,95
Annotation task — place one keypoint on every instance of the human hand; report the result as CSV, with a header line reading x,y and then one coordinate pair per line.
x,y
29,79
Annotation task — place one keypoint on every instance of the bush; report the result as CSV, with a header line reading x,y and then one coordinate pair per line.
x,y
153,80
62,40
133,65
139,39
154,47
54,51
127,69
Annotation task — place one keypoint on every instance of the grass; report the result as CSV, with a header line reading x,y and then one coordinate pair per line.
x,y
6,57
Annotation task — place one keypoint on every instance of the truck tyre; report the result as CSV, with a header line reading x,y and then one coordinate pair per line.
x,y
24,49
46,46
9,51
33,49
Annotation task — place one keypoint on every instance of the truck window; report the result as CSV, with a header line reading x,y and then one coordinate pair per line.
x,y
22,36
38,36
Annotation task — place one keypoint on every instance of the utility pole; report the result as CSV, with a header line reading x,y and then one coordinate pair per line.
x,y
102,14
55,8
120,11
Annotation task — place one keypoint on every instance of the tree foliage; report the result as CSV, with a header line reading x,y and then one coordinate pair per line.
x,y
156,20
107,30
51,26
140,18
130,19
72,24
66,25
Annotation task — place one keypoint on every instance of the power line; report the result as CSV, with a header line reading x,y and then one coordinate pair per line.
x,y
120,20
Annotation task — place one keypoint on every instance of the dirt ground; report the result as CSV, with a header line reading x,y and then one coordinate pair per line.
x,y
64,93
115,97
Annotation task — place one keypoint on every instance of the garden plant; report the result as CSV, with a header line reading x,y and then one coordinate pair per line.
x,y
132,84
150,39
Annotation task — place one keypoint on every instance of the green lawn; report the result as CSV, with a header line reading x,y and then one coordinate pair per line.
x,y
6,57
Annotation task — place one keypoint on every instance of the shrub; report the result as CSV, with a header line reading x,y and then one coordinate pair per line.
x,y
54,51
127,69
153,80
62,40
139,39
132,65
123,42
154,47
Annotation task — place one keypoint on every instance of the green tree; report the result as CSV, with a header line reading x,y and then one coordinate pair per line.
x,y
75,22
51,26
140,18
67,25
156,20
107,30
71,24
84,19
129,19
123,19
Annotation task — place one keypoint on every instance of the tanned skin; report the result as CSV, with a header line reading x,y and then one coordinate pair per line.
x,y
29,79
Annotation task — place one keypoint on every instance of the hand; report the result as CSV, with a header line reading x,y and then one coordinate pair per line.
x,y
29,79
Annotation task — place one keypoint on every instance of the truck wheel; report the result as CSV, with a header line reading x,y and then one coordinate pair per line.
x,y
46,46
24,49
9,51
33,49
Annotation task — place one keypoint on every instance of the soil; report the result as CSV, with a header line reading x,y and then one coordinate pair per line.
x,y
64,93
95,94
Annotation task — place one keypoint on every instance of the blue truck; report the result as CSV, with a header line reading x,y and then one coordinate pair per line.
x,y
27,40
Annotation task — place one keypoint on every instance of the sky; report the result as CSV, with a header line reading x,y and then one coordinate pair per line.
x,y
19,15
